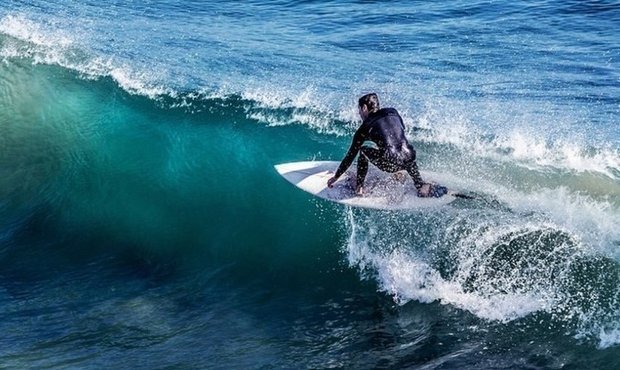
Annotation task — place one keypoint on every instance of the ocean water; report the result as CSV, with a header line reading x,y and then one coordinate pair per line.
x,y
142,224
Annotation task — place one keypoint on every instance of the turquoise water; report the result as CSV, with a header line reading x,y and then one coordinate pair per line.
x,y
142,223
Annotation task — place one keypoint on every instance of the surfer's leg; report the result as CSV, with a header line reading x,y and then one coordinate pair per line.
x,y
425,189
362,170
373,155
380,159
412,169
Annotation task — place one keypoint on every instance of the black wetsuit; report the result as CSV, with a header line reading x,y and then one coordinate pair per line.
x,y
393,153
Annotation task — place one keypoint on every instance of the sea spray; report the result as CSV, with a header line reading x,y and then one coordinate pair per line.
x,y
496,264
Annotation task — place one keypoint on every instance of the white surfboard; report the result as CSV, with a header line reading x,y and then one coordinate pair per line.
x,y
382,190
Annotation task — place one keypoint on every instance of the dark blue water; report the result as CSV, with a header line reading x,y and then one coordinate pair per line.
x,y
142,223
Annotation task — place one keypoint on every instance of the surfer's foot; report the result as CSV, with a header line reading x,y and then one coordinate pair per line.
x,y
359,191
425,190
432,190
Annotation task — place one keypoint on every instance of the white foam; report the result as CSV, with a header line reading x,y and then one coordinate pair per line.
x,y
279,98
522,145
459,123
407,276
595,221
481,281
564,154
305,108
608,338
46,44
19,27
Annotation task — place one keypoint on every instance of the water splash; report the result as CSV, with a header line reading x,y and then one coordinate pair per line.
x,y
495,263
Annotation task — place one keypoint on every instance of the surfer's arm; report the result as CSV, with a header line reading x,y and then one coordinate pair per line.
x,y
356,145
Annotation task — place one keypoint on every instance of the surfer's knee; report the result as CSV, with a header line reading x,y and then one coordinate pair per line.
x,y
365,150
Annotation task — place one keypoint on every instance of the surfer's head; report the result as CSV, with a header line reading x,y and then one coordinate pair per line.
x,y
367,104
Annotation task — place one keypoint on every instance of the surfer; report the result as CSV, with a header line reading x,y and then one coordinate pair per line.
x,y
393,153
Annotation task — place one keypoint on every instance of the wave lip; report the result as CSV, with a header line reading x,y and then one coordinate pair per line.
x,y
24,29
46,44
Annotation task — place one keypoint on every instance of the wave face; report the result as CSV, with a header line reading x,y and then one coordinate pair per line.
x,y
140,211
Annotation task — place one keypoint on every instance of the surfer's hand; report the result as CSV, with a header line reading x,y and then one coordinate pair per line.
x,y
331,181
